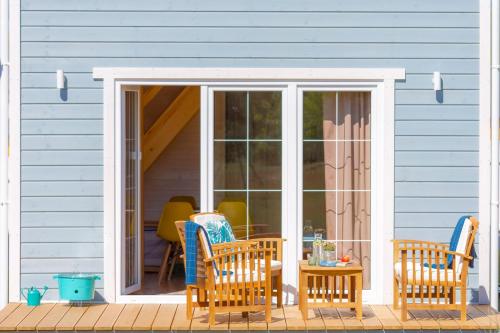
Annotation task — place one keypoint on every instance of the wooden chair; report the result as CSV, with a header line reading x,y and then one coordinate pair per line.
x,y
230,279
273,243
428,276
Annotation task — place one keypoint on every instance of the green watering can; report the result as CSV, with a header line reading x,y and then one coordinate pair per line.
x,y
33,296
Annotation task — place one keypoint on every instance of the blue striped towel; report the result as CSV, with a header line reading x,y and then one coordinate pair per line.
x,y
191,232
455,237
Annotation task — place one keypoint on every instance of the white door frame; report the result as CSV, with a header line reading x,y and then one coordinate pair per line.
x,y
383,79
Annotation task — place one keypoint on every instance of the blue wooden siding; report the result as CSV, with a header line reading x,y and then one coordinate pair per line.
x,y
436,153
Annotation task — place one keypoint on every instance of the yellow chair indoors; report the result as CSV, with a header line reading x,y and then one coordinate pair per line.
x,y
172,212
235,212
184,198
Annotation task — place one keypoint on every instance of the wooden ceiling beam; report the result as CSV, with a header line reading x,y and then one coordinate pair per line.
x,y
149,95
169,124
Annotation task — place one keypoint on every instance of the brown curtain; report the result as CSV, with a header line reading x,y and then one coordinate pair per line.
x,y
348,209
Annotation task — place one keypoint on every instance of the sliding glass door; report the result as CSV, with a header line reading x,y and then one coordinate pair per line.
x,y
295,164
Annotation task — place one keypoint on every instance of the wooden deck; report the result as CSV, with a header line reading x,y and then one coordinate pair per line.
x,y
171,317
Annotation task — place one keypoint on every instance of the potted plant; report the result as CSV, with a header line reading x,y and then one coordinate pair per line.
x,y
328,254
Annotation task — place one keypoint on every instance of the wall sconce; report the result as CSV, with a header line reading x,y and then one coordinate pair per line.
x,y
60,84
437,80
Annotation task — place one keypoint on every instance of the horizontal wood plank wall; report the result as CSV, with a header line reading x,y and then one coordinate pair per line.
x,y
436,136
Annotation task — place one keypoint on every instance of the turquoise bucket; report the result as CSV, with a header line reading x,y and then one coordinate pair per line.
x,y
76,287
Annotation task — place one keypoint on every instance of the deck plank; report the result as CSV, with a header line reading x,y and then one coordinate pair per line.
x,y
487,310
30,322
331,318
221,322
15,317
164,317
349,319
410,324
155,317
200,320
370,321
7,310
145,318
469,324
90,317
278,322
425,320
388,320
293,318
445,321
69,320
50,321
109,317
237,322
257,321
490,317
314,320
180,322
127,317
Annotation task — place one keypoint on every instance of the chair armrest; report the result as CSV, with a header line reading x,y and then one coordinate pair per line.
x,y
404,242
232,245
274,243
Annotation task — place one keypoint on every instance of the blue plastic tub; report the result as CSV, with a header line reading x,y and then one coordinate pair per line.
x,y
76,287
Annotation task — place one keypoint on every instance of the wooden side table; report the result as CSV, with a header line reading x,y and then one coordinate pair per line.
x,y
335,287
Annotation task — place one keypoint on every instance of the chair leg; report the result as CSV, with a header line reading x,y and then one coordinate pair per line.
x,y
211,305
189,303
174,260
268,299
463,303
395,299
279,289
164,263
404,303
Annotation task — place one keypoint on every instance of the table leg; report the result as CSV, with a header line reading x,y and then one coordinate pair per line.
x,y
352,289
359,296
303,294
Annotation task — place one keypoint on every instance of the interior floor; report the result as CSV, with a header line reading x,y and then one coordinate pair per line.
x,y
174,286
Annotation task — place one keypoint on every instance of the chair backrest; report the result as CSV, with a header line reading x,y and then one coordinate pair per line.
x,y
466,240
207,216
172,211
184,198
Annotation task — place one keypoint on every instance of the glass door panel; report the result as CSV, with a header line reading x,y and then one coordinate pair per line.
x,y
336,173
247,157
131,232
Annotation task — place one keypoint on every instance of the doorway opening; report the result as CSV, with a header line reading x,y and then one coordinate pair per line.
x,y
161,177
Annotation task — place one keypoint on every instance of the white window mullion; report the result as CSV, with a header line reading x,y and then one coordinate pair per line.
x,y
206,149
291,210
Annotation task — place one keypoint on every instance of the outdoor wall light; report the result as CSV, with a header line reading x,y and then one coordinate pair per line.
x,y
437,80
60,84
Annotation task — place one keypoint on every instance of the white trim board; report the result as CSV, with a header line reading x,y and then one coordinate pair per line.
x,y
15,152
484,150
261,74
380,81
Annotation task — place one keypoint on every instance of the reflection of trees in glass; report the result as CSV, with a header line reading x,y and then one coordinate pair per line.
x,y
313,115
265,115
